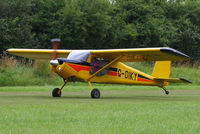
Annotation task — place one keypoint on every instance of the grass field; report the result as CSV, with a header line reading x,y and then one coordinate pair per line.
x,y
121,109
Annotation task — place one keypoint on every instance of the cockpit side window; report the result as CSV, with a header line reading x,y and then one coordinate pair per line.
x,y
96,64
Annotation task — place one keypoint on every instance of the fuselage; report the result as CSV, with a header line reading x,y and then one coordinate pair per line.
x,y
117,73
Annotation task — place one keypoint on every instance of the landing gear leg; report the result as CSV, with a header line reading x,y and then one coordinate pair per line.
x,y
95,93
57,91
166,92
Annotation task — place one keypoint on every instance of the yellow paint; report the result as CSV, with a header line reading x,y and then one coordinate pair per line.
x,y
137,54
161,69
90,85
129,55
85,75
39,53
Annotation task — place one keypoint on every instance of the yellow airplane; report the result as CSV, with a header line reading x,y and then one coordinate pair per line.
x,y
105,66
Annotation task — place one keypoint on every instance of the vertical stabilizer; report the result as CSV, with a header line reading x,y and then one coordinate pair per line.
x,y
161,69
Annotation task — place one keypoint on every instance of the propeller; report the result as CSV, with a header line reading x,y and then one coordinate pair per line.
x,y
55,44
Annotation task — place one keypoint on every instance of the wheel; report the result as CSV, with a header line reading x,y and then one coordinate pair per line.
x,y
55,92
166,92
95,93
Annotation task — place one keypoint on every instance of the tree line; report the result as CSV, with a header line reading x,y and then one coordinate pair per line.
x,y
99,24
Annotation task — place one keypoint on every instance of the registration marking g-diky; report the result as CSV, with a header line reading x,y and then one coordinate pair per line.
x,y
126,74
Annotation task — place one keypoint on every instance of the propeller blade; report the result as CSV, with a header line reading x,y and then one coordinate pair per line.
x,y
55,44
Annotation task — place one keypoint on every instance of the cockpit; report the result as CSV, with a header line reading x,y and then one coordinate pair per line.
x,y
81,57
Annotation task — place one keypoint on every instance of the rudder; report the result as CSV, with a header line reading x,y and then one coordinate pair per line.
x,y
161,69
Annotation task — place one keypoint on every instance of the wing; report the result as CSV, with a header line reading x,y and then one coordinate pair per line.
x,y
141,54
129,55
38,53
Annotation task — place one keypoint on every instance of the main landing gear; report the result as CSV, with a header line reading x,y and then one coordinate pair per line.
x,y
95,93
57,91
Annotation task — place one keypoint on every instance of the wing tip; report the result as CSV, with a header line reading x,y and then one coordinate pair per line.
x,y
7,51
174,52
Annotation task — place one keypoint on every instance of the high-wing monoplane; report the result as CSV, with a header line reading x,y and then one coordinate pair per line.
x,y
106,65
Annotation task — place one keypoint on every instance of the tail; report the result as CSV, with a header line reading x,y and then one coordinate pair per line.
x,y
161,72
161,69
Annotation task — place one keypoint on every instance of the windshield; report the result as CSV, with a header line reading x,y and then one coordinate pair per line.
x,y
79,55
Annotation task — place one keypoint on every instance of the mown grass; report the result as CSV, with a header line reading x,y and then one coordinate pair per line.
x,y
80,86
127,109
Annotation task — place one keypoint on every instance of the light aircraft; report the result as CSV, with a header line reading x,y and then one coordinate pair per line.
x,y
105,66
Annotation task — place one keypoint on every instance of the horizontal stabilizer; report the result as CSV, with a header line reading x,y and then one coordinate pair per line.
x,y
173,80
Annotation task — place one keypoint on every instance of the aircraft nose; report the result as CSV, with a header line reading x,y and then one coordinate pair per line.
x,y
54,62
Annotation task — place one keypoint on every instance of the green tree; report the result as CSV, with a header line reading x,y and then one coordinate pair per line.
x,y
47,21
15,24
86,24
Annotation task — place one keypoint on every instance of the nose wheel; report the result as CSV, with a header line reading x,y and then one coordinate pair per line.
x,y
56,92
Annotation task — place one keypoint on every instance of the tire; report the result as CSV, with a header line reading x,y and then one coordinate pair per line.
x,y
95,93
167,92
55,93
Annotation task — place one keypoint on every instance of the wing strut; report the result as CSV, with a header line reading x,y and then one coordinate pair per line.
x,y
107,65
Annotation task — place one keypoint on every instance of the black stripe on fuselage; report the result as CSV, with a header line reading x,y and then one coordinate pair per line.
x,y
113,69
143,77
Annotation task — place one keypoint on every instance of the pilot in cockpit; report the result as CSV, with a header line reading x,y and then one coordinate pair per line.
x,y
96,64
